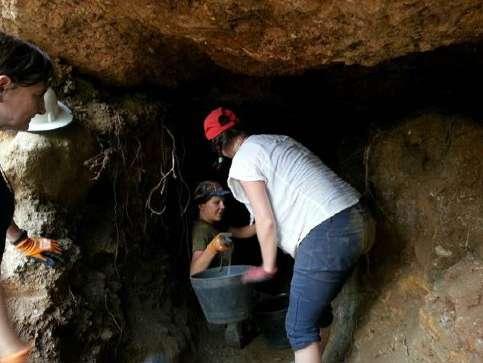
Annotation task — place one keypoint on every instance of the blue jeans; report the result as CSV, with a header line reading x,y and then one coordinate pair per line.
x,y
324,261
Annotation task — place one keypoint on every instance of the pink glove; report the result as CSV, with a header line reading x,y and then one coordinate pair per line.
x,y
257,274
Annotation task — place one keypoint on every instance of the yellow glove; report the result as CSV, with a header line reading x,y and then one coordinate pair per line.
x,y
221,243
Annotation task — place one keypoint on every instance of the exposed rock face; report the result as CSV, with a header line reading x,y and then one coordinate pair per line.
x,y
170,41
452,316
409,322
424,302
38,299
49,166
427,176
390,318
49,178
51,174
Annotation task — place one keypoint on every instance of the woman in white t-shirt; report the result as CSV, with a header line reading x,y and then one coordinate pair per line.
x,y
303,207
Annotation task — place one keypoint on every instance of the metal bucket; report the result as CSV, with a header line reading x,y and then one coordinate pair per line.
x,y
221,294
270,315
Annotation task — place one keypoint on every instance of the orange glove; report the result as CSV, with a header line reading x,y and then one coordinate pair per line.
x,y
46,250
221,243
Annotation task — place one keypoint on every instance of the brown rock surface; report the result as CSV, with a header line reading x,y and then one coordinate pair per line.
x,y
387,325
49,165
164,42
427,180
38,299
452,316
52,308
47,174
424,300
412,322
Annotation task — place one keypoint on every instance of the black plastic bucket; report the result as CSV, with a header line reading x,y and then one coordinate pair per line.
x,y
221,294
270,315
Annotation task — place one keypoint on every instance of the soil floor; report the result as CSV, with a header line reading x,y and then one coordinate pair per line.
x,y
213,349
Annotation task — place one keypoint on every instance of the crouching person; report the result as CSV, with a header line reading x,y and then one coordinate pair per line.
x,y
212,246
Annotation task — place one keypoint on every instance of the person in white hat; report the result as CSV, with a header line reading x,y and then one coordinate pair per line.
x,y
25,72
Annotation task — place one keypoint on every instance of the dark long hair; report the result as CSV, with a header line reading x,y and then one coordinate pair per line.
x,y
24,63
226,137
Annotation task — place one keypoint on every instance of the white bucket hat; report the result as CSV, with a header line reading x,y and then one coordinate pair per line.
x,y
56,114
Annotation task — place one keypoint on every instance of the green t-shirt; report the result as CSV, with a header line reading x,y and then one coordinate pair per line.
x,y
202,235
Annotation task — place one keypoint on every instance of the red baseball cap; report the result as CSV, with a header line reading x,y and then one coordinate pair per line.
x,y
218,121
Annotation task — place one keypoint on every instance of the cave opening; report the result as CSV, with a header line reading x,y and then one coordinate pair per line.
x,y
336,112
406,132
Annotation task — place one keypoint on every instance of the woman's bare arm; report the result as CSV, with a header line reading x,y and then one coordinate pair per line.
x,y
243,232
256,192
201,260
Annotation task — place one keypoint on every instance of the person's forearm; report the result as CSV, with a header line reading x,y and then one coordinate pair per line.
x,y
202,262
13,232
257,194
243,232
267,237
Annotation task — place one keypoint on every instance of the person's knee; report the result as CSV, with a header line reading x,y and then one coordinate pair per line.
x,y
301,333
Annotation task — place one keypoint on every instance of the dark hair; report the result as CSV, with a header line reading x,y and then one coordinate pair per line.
x,y
208,189
24,63
226,137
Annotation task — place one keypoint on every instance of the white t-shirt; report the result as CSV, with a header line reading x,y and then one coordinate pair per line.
x,y
302,190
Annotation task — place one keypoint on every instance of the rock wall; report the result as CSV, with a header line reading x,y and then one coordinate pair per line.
x,y
50,182
87,185
422,302
427,181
